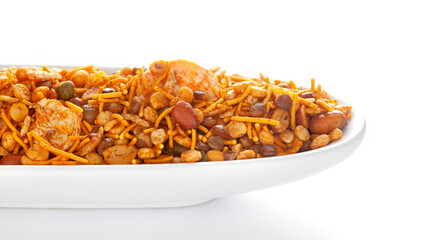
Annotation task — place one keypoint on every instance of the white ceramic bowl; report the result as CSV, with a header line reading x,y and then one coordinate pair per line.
x,y
165,185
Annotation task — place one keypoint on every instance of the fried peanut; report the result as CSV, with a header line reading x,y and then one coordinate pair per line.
x,y
247,154
237,148
37,153
265,137
184,141
158,136
258,92
104,117
157,100
287,136
120,154
8,142
320,141
237,129
215,155
191,156
21,91
302,133
240,87
150,114
117,129
335,134
294,146
146,153
94,158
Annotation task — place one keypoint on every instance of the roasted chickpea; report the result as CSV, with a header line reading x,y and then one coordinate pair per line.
x,y
37,153
90,113
8,142
18,112
35,96
185,94
21,91
80,78
94,158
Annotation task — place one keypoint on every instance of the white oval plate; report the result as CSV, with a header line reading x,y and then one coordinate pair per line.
x,y
165,185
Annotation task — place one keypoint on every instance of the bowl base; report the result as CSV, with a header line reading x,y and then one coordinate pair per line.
x,y
119,205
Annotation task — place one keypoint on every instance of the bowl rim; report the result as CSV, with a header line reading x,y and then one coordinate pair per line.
x,y
357,124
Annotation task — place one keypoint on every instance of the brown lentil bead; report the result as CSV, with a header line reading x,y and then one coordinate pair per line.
x,y
114,107
215,142
135,105
268,150
76,101
246,142
108,90
230,155
204,157
308,95
105,143
89,113
256,148
210,121
221,131
201,146
283,101
200,95
135,71
257,110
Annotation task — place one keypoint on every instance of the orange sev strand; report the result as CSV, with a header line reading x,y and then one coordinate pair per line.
x,y
123,134
19,141
282,145
7,121
159,160
161,116
62,153
193,139
256,120
319,91
307,103
324,105
212,106
3,130
241,98
167,95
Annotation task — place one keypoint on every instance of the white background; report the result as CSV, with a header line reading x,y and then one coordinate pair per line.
x,y
371,53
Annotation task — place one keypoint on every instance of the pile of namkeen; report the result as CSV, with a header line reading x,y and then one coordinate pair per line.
x,y
173,112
